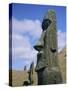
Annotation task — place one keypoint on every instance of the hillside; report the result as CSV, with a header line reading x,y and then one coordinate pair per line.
x,y
62,63
18,77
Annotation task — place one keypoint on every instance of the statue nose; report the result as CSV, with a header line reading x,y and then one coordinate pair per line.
x,y
40,43
38,46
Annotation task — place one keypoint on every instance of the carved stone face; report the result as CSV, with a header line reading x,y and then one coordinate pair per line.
x,y
45,24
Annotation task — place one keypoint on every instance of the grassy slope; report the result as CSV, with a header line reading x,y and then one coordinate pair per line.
x,y
20,76
62,63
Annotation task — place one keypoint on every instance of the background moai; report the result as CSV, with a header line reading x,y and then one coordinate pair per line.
x,y
25,68
31,72
47,58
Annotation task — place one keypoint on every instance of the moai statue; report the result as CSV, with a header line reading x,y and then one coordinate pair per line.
x,y
31,73
47,58
25,68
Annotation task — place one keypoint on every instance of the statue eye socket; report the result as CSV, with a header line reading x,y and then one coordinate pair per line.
x,y
53,50
45,24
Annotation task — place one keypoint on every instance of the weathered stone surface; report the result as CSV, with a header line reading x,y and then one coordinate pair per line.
x,y
47,59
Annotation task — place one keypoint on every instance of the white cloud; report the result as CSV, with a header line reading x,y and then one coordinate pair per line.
x,y
32,27
61,40
22,47
21,43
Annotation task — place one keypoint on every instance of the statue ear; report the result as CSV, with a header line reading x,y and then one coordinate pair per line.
x,y
45,24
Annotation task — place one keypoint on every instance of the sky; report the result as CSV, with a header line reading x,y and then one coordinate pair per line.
x,y
26,30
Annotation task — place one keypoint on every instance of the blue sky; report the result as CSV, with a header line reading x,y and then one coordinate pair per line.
x,y
26,30
28,11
